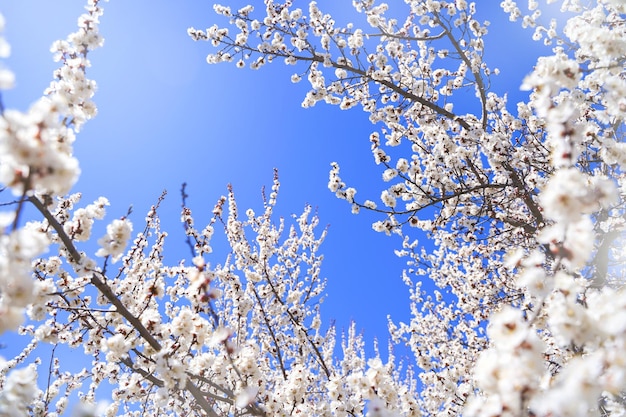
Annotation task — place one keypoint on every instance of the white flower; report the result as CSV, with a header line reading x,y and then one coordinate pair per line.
x,y
388,199
552,73
572,242
570,193
246,397
369,204
18,392
389,174
568,321
7,79
84,409
536,281
113,243
10,317
378,408
116,346
355,40
507,328
220,336
607,308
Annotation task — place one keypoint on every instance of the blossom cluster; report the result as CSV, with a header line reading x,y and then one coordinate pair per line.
x,y
246,334
547,181
565,284
518,310
18,392
37,162
36,156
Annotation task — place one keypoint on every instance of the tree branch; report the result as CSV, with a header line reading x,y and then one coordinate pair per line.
x,y
110,295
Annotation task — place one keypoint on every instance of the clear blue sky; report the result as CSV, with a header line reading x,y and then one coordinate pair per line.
x,y
166,117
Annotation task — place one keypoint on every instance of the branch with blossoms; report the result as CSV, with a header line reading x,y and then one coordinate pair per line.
x,y
37,163
88,317
353,78
36,160
522,310
479,185
216,340
283,27
566,295
36,155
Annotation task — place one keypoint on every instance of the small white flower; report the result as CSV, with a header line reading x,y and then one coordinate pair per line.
x,y
507,328
246,397
114,242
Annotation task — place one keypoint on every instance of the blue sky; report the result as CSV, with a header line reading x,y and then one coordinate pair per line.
x,y
166,117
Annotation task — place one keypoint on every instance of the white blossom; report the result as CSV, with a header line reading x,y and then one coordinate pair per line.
x,y
114,242
513,258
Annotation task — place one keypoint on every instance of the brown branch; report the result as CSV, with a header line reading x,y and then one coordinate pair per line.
x,y
526,197
436,200
475,73
67,242
199,396
404,37
95,280
404,93
121,309
269,328
299,326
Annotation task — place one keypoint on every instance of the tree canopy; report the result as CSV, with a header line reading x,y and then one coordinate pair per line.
x,y
524,204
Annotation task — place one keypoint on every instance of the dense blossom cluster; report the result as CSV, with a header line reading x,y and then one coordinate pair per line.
x,y
527,315
548,182
36,158
37,163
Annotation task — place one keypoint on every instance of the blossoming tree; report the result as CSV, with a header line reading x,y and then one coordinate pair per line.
x,y
525,208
